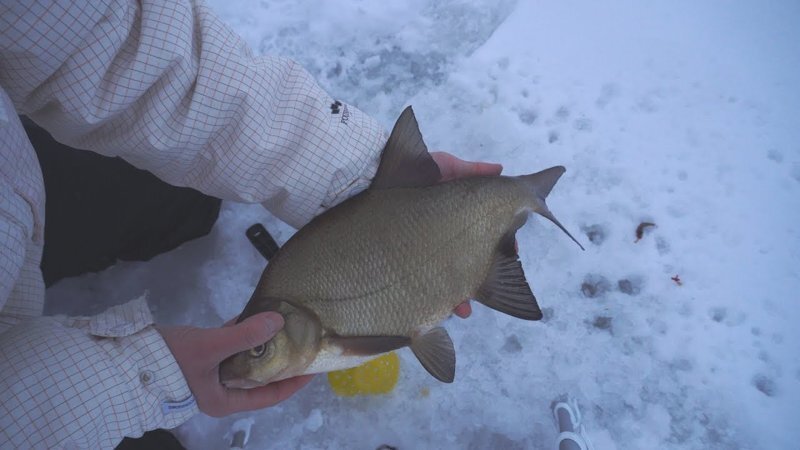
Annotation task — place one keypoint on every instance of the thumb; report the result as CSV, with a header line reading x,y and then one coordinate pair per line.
x,y
251,332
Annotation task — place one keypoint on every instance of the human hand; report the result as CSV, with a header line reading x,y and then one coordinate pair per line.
x,y
199,351
451,168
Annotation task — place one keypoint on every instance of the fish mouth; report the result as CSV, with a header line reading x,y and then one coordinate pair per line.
x,y
229,378
241,383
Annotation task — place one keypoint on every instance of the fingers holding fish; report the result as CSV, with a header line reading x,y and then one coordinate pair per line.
x,y
250,333
463,310
199,352
238,400
453,167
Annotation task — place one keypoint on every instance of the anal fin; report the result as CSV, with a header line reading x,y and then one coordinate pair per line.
x,y
435,352
506,289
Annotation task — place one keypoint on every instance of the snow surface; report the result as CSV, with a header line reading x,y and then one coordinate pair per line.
x,y
680,113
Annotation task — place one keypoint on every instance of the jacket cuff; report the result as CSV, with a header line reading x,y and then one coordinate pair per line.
x,y
344,187
145,360
145,363
88,382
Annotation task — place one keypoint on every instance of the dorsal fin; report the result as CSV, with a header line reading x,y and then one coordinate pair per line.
x,y
405,161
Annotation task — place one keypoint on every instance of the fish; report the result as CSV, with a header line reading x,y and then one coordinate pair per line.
x,y
381,270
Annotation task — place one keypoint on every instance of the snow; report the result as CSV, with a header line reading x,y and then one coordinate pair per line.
x,y
680,113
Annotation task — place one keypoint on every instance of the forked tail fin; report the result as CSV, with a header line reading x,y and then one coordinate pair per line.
x,y
540,184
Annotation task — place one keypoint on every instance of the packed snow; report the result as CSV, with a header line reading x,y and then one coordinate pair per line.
x,y
681,113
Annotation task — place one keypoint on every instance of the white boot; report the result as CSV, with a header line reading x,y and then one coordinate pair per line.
x,y
571,435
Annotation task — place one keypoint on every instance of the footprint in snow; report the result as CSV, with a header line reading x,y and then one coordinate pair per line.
x,y
595,233
604,323
765,384
722,315
594,286
582,124
562,113
608,93
775,155
630,285
528,116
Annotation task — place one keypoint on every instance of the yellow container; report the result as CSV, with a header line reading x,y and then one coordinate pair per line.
x,y
378,376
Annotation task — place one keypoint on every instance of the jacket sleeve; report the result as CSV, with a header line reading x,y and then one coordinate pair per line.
x,y
167,86
69,382
87,382
170,88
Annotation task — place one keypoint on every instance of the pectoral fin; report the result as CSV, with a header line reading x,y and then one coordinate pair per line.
x,y
435,352
368,345
506,289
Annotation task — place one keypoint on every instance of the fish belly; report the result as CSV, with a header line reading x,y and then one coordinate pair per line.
x,y
329,361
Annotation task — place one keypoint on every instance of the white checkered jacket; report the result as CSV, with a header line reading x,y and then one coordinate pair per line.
x,y
171,89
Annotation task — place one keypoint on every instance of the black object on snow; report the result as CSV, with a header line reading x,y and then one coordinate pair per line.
x,y
262,241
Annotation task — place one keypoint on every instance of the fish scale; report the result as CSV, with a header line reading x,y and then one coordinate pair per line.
x,y
408,282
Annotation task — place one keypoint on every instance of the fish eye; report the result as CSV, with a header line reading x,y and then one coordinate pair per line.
x,y
258,351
